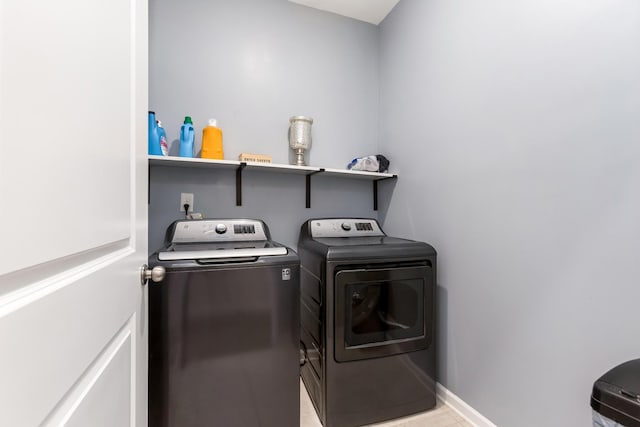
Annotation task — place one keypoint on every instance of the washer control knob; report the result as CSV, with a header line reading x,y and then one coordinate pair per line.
x,y
345,226
221,228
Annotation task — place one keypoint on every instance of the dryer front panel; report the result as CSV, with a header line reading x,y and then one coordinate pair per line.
x,y
381,311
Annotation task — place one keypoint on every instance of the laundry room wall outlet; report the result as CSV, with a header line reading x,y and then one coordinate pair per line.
x,y
186,199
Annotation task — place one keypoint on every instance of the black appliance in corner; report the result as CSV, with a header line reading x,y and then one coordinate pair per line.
x,y
367,315
616,396
224,328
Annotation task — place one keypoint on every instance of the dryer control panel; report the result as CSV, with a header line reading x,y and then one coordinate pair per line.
x,y
345,227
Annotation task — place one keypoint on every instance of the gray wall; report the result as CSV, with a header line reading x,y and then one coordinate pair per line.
x,y
515,129
252,64
278,199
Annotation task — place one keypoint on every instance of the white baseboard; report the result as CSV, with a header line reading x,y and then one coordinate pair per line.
x,y
465,411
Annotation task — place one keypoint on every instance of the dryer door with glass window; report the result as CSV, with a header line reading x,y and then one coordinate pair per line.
x,y
383,311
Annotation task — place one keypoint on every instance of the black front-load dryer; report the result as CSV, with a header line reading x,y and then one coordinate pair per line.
x,y
367,316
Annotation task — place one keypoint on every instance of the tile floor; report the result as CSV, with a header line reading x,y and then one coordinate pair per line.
x,y
442,416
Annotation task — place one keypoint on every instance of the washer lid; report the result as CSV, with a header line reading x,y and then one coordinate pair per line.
x,y
220,253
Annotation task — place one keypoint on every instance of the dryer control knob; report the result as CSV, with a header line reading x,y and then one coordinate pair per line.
x,y
221,228
345,226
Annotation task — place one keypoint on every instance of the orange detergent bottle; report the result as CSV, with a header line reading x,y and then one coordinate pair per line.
x,y
212,141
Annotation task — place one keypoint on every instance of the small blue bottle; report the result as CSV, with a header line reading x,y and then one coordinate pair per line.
x,y
163,139
154,136
187,135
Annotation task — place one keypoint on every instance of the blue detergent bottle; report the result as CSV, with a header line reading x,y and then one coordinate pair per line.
x,y
154,136
187,135
164,146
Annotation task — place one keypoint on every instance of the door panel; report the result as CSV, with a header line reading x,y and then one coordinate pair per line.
x,y
66,126
103,397
73,169
51,345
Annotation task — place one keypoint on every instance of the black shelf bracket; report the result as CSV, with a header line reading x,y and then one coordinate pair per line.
x,y
239,183
240,166
308,192
375,190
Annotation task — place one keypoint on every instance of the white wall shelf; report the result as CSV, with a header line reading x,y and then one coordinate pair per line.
x,y
239,166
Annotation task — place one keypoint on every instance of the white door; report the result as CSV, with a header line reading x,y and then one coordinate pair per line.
x,y
73,212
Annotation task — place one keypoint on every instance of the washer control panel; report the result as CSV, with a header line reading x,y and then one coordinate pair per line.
x,y
345,227
218,230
